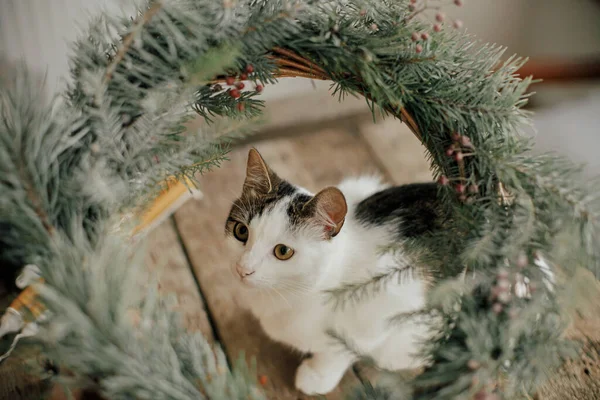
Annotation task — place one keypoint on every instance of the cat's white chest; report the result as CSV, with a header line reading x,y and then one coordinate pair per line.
x,y
302,327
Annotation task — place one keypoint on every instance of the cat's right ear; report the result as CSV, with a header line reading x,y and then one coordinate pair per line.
x,y
328,208
259,177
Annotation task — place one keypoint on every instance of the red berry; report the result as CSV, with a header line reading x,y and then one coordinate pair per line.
x,y
457,24
503,284
363,12
259,88
458,3
502,274
473,188
418,48
234,93
414,36
241,107
482,395
440,17
374,27
460,188
425,36
437,27
497,308
413,1
240,85
465,141
243,76
262,380
532,287
473,365
456,136
450,151
249,68
230,80
442,180
504,297
458,156
462,198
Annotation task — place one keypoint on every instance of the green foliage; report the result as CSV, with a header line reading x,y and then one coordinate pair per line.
x,y
68,166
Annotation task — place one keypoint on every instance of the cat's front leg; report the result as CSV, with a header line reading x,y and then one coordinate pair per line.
x,y
321,373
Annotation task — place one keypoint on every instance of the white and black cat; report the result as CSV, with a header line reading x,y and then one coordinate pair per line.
x,y
290,247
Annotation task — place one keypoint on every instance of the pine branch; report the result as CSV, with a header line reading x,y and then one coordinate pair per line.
x,y
128,41
354,292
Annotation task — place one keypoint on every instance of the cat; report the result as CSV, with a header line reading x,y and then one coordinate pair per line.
x,y
290,247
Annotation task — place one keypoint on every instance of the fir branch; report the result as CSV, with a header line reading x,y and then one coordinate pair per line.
x,y
402,318
354,292
129,39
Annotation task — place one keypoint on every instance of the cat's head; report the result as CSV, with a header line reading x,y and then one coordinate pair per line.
x,y
280,234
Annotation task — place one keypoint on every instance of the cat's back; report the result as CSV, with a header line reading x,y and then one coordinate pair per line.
x,y
411,210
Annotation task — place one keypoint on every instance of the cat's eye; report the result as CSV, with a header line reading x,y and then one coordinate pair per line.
x,y
240,231
283,252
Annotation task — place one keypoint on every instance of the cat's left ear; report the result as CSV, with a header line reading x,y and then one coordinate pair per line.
x,y
260,180
329,208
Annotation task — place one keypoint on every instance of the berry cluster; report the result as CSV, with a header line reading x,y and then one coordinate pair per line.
x,y
419,6
236,85
508,284
460,148
500,293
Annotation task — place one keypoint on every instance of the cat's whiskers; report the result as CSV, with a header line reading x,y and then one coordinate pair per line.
x,y
269,286
294,287
282,296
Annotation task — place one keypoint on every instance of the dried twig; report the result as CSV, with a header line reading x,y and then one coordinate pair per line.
x,y
293,64
302,60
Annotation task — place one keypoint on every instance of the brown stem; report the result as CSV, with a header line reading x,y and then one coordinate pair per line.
x,y
290,63
145,18
410,122
293,73
294,56
461,170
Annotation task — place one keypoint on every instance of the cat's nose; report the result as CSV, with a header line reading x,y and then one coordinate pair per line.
x,y
242,271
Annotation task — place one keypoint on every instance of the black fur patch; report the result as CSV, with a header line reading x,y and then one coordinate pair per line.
x,y
296,210
248,206
414,208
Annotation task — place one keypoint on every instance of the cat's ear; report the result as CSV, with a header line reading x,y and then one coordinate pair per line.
x,y
329,208
259,177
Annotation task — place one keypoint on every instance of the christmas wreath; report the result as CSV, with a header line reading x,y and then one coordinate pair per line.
x,y
523,225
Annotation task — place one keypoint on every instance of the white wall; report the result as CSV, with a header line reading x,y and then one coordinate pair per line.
x,y
39,31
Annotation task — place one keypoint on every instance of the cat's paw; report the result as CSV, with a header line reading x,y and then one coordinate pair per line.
x,y
312,381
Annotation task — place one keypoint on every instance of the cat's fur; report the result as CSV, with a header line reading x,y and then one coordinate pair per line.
x,y
337,237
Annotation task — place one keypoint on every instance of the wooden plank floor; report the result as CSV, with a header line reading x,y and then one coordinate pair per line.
x,y
192,241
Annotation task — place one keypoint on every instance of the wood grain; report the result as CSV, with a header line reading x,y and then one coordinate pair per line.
x,y
313,161
167,260
397,151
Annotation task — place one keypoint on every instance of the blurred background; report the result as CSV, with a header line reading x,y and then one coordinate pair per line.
x,y
562,38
